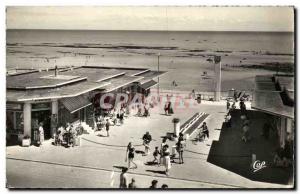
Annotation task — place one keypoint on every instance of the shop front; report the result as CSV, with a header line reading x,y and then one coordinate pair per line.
x,y
75,111
14,122
41,114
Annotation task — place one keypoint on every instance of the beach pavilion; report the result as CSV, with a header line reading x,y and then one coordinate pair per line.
x,y
274,95
57,96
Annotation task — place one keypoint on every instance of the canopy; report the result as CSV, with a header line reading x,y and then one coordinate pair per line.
x,y
148,84
74,104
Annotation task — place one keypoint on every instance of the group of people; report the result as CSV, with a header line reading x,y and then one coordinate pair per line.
x,y
162,155
245,121
144,110
132,185
66,136
39,135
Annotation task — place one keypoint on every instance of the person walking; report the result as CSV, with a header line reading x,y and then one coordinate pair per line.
x,y
155,155
180,147
167,159
130,155
123,178
41,133
146,142
153,184
132,185
166,108
107,127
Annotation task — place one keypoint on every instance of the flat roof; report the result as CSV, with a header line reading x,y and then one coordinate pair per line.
x,y
119,82
73,81
271,102
54,93
267,99
286,82
149,75
270,86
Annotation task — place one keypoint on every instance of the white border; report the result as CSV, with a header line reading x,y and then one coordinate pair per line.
x,y
4,3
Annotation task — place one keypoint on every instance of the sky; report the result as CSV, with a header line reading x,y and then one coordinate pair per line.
x,y
151,18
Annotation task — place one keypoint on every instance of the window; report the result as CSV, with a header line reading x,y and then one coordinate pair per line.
x,y
14,121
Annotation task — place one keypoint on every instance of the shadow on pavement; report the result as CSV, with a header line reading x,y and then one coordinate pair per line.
x,y
231,153
157,171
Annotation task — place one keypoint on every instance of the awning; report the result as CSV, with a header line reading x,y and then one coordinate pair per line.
x,y
148,84
75,103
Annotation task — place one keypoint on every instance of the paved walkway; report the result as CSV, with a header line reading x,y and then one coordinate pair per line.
x,y
108,153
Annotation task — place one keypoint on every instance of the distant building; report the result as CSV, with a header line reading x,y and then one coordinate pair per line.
x,y
274,94
66,94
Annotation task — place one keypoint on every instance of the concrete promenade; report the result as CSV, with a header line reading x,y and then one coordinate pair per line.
x,y
97,162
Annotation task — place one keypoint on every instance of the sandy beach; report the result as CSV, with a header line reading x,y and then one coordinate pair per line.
x,y
181,56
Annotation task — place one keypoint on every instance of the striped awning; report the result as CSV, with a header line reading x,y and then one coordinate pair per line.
x,y
148,84
75,103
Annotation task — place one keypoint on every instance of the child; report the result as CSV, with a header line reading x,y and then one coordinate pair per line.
x,y
155,155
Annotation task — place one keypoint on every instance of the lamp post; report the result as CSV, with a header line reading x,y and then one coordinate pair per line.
x,y
158,77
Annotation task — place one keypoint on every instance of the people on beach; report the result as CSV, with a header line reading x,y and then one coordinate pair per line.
x,y
130,155
132,184
146,142
41,133
153,184
123,178
174,83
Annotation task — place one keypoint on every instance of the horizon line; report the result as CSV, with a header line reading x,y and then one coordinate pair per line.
x,y
153,30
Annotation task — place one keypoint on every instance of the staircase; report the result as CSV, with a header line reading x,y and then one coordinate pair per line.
x,y
189,127
86,127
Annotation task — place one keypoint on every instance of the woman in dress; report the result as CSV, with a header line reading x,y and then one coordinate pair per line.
x,y
130,155
167,160
41,133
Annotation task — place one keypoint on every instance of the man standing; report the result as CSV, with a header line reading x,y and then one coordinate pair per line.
x,y
123,178
107,127
147,139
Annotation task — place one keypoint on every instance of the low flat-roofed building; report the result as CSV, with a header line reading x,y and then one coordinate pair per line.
x,y
61,95
274,94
